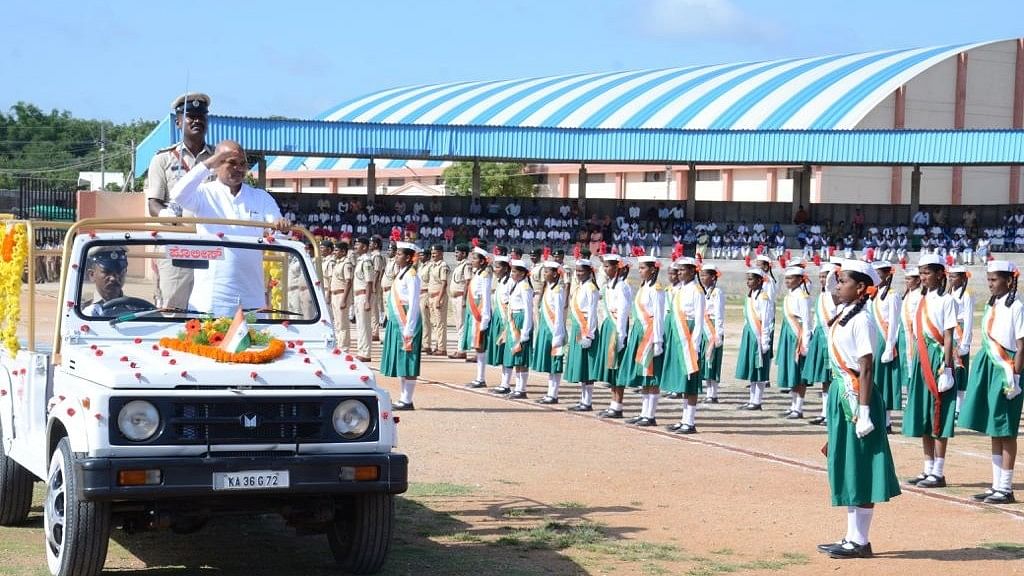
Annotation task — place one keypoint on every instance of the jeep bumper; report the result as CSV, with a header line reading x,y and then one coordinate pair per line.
x,y
193,476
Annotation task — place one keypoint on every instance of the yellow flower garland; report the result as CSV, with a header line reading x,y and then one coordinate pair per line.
x,y
13,254
272,274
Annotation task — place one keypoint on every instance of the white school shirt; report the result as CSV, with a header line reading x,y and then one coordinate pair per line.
x,y
406,286
653,300
1008,323
238,278
585,298
797,308
690,298
552,309
520,297
964,300
941,309
764,306
480,289
618,299
848,344
886,313
714,311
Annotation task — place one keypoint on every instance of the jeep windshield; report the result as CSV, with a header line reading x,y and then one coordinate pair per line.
x,y
131,279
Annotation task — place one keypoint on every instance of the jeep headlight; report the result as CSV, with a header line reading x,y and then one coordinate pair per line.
x,y
351,419
138,420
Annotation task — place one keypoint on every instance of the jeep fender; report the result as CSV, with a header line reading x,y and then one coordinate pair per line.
x,y
67,418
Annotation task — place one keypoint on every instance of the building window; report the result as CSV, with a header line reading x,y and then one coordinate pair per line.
x,y
595,178
277,183
658,176
396,181
708,175
438,181
356,183
540,178
317,182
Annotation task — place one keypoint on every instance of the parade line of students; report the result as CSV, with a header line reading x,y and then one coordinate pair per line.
x,y
864,341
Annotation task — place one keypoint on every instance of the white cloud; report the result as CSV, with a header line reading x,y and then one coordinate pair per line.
x,y
704,19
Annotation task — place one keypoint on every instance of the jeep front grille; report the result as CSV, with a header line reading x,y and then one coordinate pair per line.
x,y
220,422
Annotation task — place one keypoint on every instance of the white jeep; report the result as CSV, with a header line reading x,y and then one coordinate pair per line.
x,y
135,420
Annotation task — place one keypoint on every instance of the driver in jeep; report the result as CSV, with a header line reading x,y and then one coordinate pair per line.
x,y
107,267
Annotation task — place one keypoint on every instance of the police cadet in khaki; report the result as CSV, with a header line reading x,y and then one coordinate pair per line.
x,y
363,281
423,267
327,259
341,294
537,277
174,284
377,295
437,295
461,274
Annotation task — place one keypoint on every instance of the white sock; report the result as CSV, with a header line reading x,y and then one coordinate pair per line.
x,y
929,465
616,406
939,467
652,406
1006,480
997,470
758,392
752,393
851,522
690,414
481,367
554,381
644,403
959,399
712,387
799,404
506,377
862,525
586,394
792,400
824,404
408,389
888,418
521,380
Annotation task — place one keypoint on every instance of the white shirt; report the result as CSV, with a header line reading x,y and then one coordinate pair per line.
x,y
1008,324
690,299
851,343
887,316
797,308
238,278
964,300
406,287
520,298
714,309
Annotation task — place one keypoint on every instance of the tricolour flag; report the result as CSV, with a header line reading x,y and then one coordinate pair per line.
x,y
237,337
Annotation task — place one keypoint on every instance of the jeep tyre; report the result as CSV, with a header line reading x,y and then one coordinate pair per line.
x,y
360,535
15,489
76,531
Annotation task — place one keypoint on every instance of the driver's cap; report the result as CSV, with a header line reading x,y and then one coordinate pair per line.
x,y
113,258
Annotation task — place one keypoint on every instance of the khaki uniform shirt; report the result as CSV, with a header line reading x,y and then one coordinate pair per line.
x,y
437,279
390,272
168,166
326,275
423,271
460,275
341,279
363,275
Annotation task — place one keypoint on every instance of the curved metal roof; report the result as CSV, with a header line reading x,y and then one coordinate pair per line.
x,y
819,93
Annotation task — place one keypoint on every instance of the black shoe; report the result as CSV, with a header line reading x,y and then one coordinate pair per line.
x,y
919,478
547,400
794,415
403,406
477,384
825,547
609,413
818,421
888,430
786,413
981,497
932,481
850,550
1000,497
501,390
687,429
749,406
709,401
646,422
517,396
581,408
633,420
674,395
674,427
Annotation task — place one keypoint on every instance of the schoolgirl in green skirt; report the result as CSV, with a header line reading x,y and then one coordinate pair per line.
x,y
582,352
684,343
993,401
755,356
519,326
497,334
478,314
400,355
616,300
931,394
794,339
548,351
889,373
714,332
816,365
860,466
964,333
642,356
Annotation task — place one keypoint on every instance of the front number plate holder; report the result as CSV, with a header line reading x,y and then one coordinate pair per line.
x,y
251,480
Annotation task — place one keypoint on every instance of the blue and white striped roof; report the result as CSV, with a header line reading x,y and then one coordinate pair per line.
x,y
820,93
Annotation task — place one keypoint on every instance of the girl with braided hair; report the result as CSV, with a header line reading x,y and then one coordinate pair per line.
x,y
860,466
581,360
816,365
794,340
714,331
519,327
930,396
963,297
497,333
911,297
642,357
684,343
547,354
993,402
755,355
617,297
889,373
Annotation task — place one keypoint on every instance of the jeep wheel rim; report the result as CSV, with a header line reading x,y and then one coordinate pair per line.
x,y
55,512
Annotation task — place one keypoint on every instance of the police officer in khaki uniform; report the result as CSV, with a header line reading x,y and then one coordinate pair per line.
x,y
377,295
341,294
300,299
423,267
328,262
461,274
168,165
363,282
437,295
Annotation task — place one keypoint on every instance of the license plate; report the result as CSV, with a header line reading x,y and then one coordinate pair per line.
x,y
250,480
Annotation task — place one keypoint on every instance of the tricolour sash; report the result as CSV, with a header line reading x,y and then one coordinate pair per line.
x,y
644,352
399,314
754,323
851,390
551,317
924,323
996,353
683,328
476,312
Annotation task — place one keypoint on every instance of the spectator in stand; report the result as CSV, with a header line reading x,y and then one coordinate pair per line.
x,y
921,218
801,217
858,222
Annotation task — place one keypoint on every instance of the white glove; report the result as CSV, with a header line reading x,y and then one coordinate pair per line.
x,y
946,381
659,348
408,333
586,342
765,343
484,323
557,341
864,424
1013,391
963,350
524,338
718,341
887,355
621,343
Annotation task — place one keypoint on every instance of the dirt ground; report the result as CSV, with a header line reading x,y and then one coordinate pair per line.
x,y
513,487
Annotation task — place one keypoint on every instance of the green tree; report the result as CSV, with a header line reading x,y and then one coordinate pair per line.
x,y
496,179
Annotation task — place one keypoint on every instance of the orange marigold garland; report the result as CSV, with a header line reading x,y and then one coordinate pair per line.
x,y
275,348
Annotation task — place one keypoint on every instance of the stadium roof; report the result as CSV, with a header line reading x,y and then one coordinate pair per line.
x,y
633,117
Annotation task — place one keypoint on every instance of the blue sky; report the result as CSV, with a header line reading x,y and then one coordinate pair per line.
x,y
121,60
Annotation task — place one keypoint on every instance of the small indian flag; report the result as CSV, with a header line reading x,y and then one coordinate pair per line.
x,y
237,337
